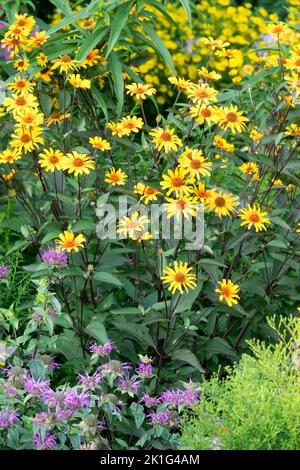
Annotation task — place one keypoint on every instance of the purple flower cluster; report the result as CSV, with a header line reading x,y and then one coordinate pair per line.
x,y
102,349
54,257
3,271
161,417
35,387
89,381
180,397
8,418
125,384
144,370
44,442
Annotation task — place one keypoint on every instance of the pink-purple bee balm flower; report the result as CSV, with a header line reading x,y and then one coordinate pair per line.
x,y
54,257
46,442
8,418
3,271
101,349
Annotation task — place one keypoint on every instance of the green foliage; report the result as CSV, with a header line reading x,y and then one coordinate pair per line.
x,y
258,405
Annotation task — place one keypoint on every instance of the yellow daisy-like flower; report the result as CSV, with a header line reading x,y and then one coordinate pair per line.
x,y
253,217
202,94
175,182
249,168
222,143
117,129
140,91
147,193
9,156
185,206
277,29
8,176
228,291
29,118
38,39
77,163
56,117
203,72
77,82
65,63
92,58
26,139
25,22
215,43
204,114
222,203
179,277
99,143
21,65
141,237
131,124
69,242
293,129
17,103
165,139
42,59
201,192
44,74
132,225
231,118
196,166
115,177
50,159
21,86
180,83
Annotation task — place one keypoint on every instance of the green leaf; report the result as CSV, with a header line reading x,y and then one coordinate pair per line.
x,y
220,346
118,23
90,43
101,101
126,311
115,67
277,244
157,44
63,6
97,330
107,278
17,245
50,236
185,355
187,299
186,5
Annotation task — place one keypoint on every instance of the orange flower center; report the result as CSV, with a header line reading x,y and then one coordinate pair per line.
x,y
149,190
202,94
254,218
25,138
69,243
28,119
232,117
115,178
220,201
181,204
20,101
166,136
55,115
195,164
21,63
177,182
21,23
297,62
65,59
226,291
78,162
206,112
140,90
179,277
53,159
20,84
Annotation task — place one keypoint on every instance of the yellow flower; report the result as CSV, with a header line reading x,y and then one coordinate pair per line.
x,y
50,159
132,225
9,156
92,58
68,241
249,168
253,217
202,94
201,192
215,43
203,72
175,181
204,114
179,277
56,117
140,91
131,124
99,143
8,176
29,118
277,29
180,83
77,163
231,118
222,143
228,291
222,203
24,22
185,206
117,129
141,236
44,74
293,130
21,86
26,140
38,39
298,229
17,103
64,63
147,192
165,139
116,177
196,165
21,65
77,82
41,59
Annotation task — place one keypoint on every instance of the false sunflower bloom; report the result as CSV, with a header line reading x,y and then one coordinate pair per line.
x,y
147,193
195,166
131,124
9,156
140,91
77,163
202,94
65,64
26,140
179,277
21,65
55,117
99,143
117,128
180,83
254,217
231,118
69,242
29,118
222,144
50,159
228,291
175,181
249,168
165,139
17,103
21,86
77,82
186,207
115,177
133,224
204,114
222,203
201,192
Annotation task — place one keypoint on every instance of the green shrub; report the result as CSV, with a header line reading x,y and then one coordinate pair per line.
x,y
258,405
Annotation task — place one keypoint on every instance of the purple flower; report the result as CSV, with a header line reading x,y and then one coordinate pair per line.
x,y
115,367
75,400
3,271
41,418
186,397
53,398
7,418
54,257
35,387
125,384
103,349
46,442
89,381
162,417
52,364
150,401
12,391
61,414
144,370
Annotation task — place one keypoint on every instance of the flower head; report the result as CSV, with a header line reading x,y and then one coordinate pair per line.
x,y
115,177
179,277
54,257
165,139
254,217
77,163
68,241
140,91
228,291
